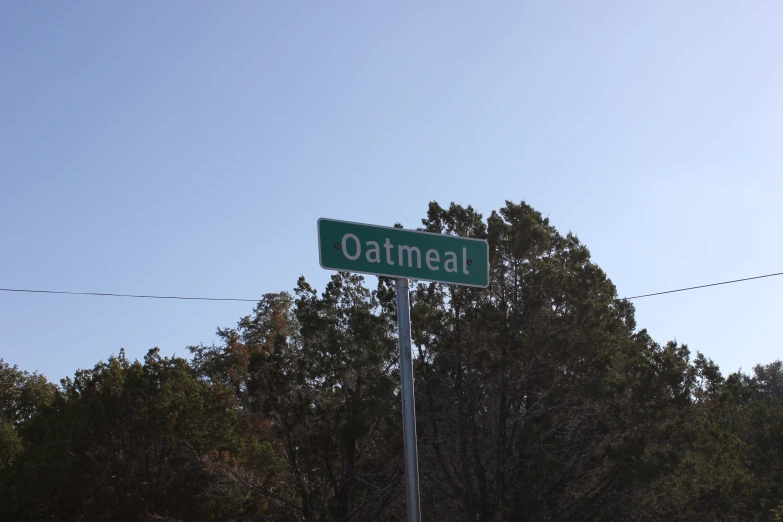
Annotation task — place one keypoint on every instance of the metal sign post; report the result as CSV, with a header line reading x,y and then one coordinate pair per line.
x,y
404,255
408,404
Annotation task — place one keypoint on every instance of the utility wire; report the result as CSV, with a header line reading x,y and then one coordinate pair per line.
x,y
704,286
256,300
132,295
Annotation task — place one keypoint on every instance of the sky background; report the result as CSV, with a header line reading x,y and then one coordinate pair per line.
x,y
188,148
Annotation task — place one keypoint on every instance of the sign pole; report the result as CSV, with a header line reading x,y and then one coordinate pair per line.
x,y
408,406
404,255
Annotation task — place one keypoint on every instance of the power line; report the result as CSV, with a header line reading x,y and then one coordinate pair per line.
x,y
131,295
182,298
704,286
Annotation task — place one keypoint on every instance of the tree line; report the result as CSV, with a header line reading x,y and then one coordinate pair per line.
x,y
536,399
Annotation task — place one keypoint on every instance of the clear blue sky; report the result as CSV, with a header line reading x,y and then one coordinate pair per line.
x,y
188,148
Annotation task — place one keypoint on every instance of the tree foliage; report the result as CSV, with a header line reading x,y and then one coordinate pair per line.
x,y
537,399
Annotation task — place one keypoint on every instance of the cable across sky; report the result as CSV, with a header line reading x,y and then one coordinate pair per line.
x,y
238,299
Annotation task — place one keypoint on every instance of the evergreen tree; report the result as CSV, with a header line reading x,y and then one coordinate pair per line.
x,y
537,399
125,441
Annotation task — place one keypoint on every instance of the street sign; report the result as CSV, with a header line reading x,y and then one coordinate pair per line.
x,y
404,255
400,253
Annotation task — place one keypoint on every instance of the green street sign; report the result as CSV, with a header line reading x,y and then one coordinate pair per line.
x,y
395,252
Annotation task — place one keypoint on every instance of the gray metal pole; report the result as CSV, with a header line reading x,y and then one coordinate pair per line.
x,y
408,404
